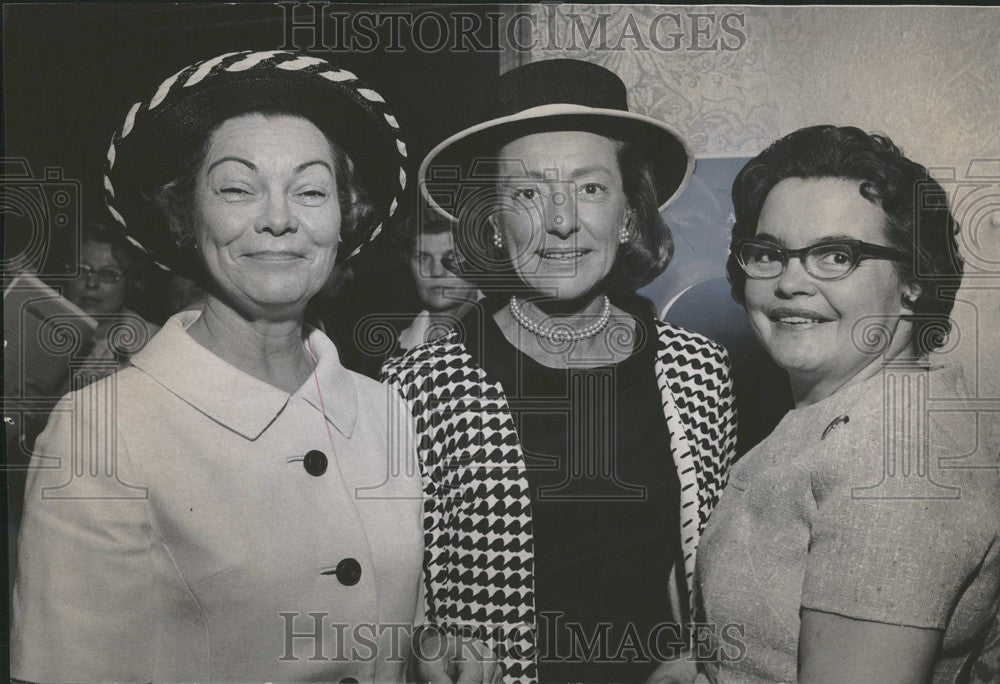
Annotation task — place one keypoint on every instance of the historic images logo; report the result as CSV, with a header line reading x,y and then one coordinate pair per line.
x,y
322,26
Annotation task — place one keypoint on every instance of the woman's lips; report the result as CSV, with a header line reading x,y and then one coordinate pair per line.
x,y
274,256
797,319
562,255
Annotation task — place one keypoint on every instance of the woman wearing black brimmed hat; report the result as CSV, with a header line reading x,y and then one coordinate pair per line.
x,y
572,445
235,505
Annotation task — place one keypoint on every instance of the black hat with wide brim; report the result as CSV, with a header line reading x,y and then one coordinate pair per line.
x,y
555,95
163,134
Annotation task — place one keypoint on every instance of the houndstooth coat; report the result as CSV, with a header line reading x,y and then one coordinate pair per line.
x,y
477,509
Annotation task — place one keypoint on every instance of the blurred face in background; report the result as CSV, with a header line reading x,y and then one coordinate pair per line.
x,y
102,284
438,288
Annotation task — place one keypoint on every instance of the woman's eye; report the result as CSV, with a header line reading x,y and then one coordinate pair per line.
x,y
593,189
234,191
836,257
312,197
526,194
763,255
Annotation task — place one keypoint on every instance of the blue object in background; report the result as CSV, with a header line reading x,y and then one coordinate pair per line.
x,y
694,293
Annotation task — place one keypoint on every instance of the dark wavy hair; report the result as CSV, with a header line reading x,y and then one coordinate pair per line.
x,y
917,218
637,262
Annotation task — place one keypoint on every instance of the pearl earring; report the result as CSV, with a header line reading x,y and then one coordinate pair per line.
x,y
623,230
497,239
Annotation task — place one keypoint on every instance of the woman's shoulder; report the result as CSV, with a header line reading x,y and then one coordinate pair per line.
x,y
430,358
677,338
683,351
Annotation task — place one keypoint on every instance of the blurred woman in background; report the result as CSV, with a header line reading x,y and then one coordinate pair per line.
x,y
434,264
108,279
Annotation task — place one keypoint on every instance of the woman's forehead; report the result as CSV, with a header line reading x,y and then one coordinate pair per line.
x,y
96,253
800,211
559,155
261,141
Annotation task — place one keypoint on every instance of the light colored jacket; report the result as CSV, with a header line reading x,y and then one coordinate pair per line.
x,y
175,528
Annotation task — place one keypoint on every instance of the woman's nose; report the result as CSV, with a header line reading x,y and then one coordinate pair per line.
x,y
276,217
560,214
795,280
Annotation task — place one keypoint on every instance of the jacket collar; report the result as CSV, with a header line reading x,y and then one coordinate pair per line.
x,y
235,399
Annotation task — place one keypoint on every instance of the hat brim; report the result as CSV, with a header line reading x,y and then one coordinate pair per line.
x,y
453,160
166,138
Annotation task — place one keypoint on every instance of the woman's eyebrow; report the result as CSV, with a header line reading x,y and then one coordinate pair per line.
x,y
239,160
307,164
586,170
253,167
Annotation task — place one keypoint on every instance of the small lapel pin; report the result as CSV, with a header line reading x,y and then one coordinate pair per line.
x,y
839,420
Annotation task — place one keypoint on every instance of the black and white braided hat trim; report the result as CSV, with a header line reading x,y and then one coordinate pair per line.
x,y
247,60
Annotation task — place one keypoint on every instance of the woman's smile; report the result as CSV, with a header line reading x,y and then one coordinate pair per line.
x,y
797,319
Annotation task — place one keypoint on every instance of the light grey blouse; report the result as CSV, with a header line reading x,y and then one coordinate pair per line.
x,y
879,503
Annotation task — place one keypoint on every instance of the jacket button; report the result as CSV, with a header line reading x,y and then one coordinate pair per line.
x,y
315,463
348,572
348,680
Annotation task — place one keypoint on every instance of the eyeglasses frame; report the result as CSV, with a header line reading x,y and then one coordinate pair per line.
x,y
860,249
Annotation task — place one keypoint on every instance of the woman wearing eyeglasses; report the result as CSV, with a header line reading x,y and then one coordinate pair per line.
x,y
846,547
105,276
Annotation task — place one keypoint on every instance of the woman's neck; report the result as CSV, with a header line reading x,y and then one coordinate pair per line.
x,y
810,390
269,350
448,317
569,311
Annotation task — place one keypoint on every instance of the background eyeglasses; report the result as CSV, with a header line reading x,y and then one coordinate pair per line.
x,y
827,260
104,276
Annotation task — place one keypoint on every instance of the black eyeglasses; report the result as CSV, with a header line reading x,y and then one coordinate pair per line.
x,y
105,276
827,260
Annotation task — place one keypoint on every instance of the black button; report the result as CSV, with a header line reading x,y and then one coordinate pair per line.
x,y
348,572
315,463
348,680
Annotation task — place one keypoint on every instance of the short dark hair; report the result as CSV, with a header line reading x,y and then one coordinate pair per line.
x,y
648,251
414,224
107,233
638,261
918,220
176,198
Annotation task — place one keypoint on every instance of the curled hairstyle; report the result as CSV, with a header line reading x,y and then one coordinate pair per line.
x,y
176,199
643,257
651,246
917,218
107,233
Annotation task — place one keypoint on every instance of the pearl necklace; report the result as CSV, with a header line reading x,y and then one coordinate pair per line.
x,y
557,333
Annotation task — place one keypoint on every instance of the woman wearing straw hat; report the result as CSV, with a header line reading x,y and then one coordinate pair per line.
x,y
234,505
572,445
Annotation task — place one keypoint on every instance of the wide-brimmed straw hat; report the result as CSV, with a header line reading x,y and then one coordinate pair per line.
x,y
161,135
556,95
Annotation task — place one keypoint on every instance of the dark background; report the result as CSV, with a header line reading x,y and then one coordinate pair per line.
x,y
71,71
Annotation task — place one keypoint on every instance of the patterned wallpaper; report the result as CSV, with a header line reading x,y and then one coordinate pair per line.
x,y
929,77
